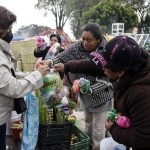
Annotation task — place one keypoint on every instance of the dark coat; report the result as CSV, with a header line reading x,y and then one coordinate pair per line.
x,y
132,99
83,66
42,53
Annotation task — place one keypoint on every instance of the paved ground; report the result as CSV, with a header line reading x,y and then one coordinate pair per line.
x,y
12,145
80,123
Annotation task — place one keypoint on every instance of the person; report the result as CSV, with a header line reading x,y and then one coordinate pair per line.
x,y
48,51
96,104
11,87
128,66
54,38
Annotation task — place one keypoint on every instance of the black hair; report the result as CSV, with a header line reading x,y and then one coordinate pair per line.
x,y
57,36
123,53
94,29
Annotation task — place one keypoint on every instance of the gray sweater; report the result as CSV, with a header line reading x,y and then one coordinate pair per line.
x,y
100,100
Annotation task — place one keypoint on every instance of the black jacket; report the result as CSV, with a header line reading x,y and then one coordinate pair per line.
x,y
132,99
42,53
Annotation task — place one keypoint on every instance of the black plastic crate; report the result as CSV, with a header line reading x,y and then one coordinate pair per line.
x,y
55,136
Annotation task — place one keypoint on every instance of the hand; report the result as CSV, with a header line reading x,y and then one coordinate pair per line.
x,y
59,67
43,69
38,63
108,123
48,62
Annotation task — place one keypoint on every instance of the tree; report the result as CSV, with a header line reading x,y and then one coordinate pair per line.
x,y
78,7
146,24
142,9
57,7
111,11
31,30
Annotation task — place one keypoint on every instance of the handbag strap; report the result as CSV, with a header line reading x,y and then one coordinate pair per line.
x,y
13,72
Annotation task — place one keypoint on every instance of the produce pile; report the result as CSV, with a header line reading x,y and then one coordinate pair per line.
x,y
56,109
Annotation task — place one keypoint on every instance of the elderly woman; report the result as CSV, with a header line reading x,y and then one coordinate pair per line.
x,y
11,87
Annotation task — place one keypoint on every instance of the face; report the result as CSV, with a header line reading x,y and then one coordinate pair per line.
x,y
111,74
53,40
89,42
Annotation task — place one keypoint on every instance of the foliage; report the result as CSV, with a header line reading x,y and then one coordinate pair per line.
x,y
142,9
78,7
111,11
31,30
72,105
57,7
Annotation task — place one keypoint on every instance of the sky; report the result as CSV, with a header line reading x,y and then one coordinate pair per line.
x,y
27,14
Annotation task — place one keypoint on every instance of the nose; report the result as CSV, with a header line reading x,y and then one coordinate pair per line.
x,y
52,42
85,42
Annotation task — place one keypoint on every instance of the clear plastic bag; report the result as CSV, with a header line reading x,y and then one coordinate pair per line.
x,y
52,85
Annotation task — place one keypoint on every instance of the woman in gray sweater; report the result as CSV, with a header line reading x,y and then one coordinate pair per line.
x,y
97,104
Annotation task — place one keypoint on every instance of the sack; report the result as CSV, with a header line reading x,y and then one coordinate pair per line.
x,y
19,105
30,123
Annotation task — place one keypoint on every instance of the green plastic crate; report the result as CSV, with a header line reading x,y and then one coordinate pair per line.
x,y
83,142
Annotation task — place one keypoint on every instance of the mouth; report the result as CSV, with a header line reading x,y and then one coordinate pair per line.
x,y
87,48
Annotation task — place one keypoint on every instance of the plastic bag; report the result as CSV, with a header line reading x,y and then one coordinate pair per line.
x,y
52,85
30,123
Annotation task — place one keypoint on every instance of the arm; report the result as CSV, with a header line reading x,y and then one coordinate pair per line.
x,y
14,88
81,66
67,55
40,53
137,105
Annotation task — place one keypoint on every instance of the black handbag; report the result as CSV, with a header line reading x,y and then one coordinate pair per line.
x,y
19,103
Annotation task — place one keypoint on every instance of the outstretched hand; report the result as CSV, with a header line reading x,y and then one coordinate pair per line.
x,y
43,69
59,67
38,63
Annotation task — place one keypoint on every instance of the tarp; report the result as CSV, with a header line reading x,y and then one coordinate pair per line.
x,y
17,37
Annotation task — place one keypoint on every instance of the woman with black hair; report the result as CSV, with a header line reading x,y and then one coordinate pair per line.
x,y
50,51
97,104
128,67
44,53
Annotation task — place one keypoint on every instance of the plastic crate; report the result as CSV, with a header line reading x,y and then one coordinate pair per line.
x,y
83,140
54,136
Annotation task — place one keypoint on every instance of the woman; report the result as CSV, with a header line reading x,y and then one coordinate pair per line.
x,y
96,104
10,87
47,52
129,66
54,38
